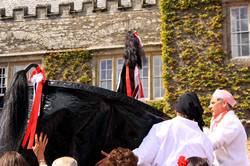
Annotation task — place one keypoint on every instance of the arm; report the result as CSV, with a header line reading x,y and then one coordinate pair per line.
x,y
148,149
39,148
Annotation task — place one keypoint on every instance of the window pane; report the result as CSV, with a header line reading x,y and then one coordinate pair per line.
x,y
244,25
144,76
119,65
103,75
109,74
157,82
235,51
109,85
235,14
109,64
243,13
233,26
145,87
103,64
234,39
157,77
245,50
237,26
157,92
244,38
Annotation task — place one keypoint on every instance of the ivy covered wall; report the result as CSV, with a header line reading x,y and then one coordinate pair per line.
x,y
74,66
193,55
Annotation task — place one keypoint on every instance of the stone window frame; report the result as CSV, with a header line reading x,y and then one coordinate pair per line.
x,y
243,60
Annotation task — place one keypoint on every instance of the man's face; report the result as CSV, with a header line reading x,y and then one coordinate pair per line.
x,y
217,106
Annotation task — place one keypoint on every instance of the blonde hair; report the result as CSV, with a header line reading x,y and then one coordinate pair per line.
x,y
65,161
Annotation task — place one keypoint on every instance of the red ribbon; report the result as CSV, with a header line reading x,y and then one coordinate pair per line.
x,y
31,129
182,161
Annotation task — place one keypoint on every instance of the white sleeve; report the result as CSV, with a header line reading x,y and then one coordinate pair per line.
x,y
224,134
209,151
148,149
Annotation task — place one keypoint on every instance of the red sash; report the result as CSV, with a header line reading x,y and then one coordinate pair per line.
x,y
31,129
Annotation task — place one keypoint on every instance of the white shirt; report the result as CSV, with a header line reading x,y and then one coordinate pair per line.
x,y
229,141
168,140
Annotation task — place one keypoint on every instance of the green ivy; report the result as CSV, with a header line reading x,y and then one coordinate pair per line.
x,y
74,66
193,56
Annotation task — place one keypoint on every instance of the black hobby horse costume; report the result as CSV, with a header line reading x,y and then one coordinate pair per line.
x,y
80,120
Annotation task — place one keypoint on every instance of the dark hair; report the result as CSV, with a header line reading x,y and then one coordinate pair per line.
x,y
189,105
13,118
197,161
12,158
122,157
133,52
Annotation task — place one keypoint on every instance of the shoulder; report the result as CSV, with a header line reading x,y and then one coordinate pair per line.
x,y
231,118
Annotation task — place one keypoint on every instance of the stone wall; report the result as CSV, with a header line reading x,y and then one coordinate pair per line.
x,y
9,5
88,28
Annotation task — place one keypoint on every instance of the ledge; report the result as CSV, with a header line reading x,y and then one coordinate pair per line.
x,y
243,61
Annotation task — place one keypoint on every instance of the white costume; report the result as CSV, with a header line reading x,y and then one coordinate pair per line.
x,y
229,141
168,140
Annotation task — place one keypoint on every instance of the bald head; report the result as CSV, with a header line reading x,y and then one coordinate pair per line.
x,y
65,161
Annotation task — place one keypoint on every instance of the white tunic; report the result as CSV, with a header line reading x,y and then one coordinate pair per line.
x,y
168,140
229,141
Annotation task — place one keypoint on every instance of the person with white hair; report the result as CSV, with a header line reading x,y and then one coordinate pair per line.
x,y
65,161
227,133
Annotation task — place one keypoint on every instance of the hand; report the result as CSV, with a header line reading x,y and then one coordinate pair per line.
x,y
39,148
103,161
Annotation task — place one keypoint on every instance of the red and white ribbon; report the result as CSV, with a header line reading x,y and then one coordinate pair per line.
x,y
38,79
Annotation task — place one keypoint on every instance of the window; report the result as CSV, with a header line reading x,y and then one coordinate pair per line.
x,y
106,74
3,83
119,65
109,70
158,90
240,45
124,3
101,4
144,76
3,76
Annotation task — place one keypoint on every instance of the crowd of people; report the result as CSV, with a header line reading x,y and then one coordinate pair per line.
x,y
179,141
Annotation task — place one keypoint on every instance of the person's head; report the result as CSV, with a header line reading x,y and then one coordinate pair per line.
x,y
192,161
188,105
12,158
121,157
221,101
133,51
65,161
197,161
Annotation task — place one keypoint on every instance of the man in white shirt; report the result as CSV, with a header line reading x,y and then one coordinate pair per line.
x,y
181,136
227,134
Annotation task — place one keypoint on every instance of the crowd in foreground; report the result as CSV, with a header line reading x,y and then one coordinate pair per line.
x,y
179,141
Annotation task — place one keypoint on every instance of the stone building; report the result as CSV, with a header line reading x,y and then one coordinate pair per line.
x,y
99,25
38,27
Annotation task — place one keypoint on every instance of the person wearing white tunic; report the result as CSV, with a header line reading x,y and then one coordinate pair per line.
x,y
227,134
180,136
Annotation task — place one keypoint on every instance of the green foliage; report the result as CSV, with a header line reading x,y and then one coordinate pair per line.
x,y
71,66
162,106
193,56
